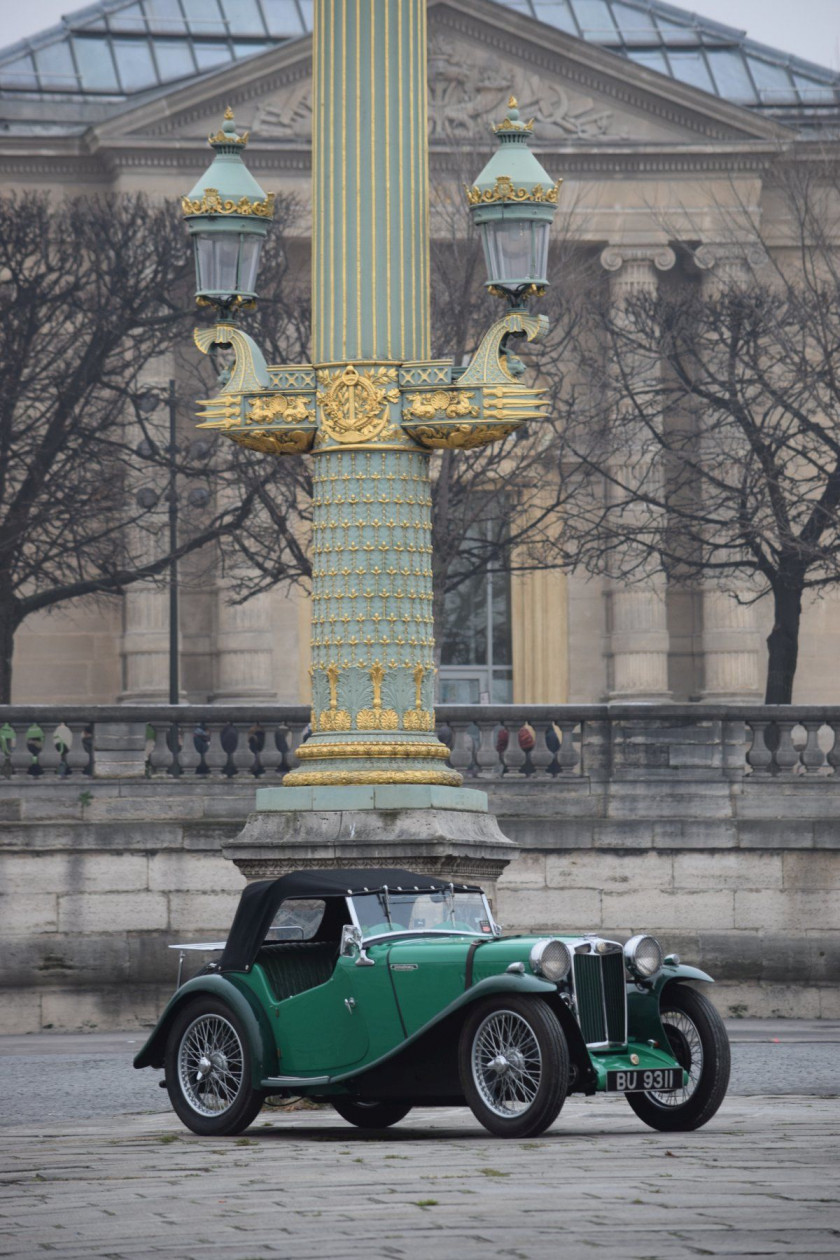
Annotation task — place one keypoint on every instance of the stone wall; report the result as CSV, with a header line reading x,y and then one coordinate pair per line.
x,y
627,819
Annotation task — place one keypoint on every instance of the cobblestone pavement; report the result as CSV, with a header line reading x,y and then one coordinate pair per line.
x,y
760,1180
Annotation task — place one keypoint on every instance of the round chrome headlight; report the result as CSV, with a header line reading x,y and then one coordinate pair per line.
x,y
552,959
643,956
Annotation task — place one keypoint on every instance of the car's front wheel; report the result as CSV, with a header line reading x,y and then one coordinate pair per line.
x,y
514,1065
208,1070
370,1115
700,1045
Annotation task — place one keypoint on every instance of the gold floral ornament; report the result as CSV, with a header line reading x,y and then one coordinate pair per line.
x,y
377,718
354,408
463,437
505,190
275,441
418,718
211,203
228,136
449,403
292,410
334,718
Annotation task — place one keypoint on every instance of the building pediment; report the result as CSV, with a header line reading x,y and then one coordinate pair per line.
x,y
581,96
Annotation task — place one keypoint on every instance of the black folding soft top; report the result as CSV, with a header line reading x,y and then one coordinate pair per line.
x,y
258,904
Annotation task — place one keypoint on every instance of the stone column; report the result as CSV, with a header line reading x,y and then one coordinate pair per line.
x,y
245,638
638,623
730,636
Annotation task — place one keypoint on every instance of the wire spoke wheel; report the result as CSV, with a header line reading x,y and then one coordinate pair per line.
x,y
506,1063
698,1041
210,1065
688,1051
514,1065
208,1069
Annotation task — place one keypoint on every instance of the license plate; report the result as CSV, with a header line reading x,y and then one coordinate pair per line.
x,y
640,1079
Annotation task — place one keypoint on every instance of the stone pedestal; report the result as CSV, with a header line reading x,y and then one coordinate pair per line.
x,y
422,827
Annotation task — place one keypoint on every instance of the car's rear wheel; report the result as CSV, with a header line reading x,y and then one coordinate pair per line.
x,y
514,1065
208,1069
370,1115
700,1045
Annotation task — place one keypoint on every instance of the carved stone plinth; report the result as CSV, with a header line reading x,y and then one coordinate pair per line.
x,y
430,829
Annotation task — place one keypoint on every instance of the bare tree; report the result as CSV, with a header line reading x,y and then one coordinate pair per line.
x,y
707,441
91,292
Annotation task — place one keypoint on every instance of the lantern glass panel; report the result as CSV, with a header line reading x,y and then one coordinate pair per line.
x,y
541,232
514,245
249,261
217,260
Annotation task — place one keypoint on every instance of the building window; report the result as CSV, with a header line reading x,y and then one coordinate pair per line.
x,y
476,657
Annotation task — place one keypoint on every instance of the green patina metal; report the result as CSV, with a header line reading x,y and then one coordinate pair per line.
x,y
372,406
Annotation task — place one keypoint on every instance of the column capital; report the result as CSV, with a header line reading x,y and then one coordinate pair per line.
x,y
721,254
662,257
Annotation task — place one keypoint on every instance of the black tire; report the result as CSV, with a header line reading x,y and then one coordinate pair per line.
x,y
218,1099
370,1115
514,1065
700,1045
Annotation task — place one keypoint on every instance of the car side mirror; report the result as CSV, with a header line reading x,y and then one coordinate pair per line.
x,y
351,944
351,940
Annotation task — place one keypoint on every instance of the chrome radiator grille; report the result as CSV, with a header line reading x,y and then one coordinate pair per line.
x,y
600,994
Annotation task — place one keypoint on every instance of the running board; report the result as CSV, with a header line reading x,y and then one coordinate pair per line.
x,y
292,1082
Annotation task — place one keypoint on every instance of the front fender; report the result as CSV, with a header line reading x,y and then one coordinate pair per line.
x,y
241,1001
668,974
644,1001
505,983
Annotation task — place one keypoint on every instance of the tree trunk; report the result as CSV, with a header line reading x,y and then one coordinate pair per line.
x,y
8,625
783,642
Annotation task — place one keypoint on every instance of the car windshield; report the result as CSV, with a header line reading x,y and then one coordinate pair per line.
x,y
447,911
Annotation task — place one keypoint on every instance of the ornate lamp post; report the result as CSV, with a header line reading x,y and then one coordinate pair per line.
x,y
373,405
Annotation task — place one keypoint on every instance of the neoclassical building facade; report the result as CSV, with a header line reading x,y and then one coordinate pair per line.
x,y
663,126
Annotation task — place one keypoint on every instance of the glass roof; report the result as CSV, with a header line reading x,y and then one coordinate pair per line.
x,y
119,48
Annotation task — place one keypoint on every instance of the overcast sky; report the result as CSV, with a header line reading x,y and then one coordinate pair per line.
x,y
809,28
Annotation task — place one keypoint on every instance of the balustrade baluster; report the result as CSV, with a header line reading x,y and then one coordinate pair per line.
x,y
488,765
526,738
812,755
541,755
833,754
282,735
760,754
157,750
553,740
256,746
511,755
174,741
80,751
462,756
787,756
190,757
8,744
569,756
229,740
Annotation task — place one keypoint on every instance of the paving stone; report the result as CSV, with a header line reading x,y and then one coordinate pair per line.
x,y
308,1186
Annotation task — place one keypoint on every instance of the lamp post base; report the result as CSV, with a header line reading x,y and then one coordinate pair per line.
x,y
429,828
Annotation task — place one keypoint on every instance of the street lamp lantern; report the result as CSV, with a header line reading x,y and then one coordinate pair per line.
x,y
512,204
228,215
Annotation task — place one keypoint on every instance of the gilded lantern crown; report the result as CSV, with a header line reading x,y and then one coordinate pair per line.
x,y
512,204
227,186
227,215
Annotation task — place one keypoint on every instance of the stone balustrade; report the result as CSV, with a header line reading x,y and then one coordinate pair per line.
x,y
715,827
541,742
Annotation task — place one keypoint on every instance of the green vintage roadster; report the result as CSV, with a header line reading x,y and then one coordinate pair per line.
x,y
381,990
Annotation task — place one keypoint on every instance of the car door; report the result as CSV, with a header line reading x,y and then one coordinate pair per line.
x,y
351,1019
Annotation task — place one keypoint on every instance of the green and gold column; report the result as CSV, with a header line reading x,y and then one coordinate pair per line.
x,y
373,677
370,409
